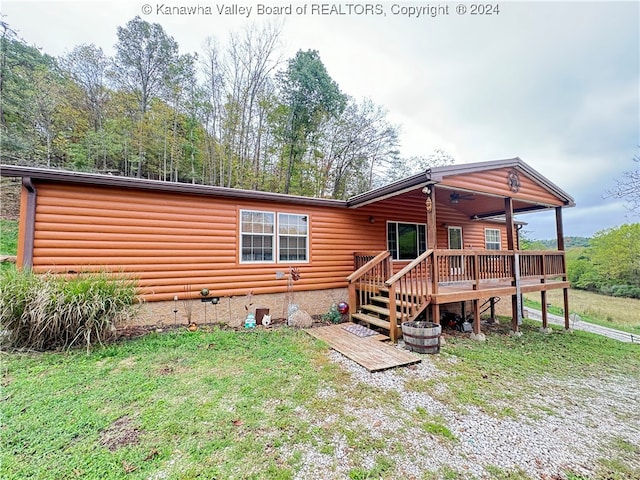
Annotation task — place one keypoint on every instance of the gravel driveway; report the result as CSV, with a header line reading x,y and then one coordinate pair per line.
x,y
576,424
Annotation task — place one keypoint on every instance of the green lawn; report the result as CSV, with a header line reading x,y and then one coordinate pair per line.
x,y
226,404
8,237
8,240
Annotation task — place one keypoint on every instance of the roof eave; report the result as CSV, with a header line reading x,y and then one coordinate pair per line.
x,y
157,185
438,174
408,184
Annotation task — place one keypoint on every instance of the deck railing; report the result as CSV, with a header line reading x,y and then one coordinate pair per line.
x,y
473,265
410,290
368,278
412,287
477,265
542,264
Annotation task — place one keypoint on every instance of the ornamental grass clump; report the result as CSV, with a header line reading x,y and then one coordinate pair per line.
x,y
45,312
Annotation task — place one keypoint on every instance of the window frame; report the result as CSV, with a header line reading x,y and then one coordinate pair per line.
x,y
486,240
306,237
275,237
242,235
397,242
449,229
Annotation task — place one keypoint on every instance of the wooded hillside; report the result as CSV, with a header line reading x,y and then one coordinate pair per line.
x,y
236,114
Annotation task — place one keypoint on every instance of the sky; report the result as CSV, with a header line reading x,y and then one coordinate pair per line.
x,y
554,83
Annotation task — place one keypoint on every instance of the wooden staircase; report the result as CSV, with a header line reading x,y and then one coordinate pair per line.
x,y
378,313
384,300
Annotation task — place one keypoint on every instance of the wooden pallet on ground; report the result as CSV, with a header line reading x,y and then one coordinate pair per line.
x,y
369,352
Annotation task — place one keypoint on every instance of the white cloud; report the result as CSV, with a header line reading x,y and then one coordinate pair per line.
x,y
555,83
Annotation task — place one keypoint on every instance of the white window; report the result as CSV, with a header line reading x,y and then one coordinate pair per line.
x,y
293,237
406,241
257,231
259,242
455,238
492,239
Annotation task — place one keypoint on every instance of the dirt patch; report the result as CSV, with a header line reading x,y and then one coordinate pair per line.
x,y
10,199
119,434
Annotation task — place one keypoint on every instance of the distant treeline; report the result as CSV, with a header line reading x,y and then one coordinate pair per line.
x,y
569,242
236,114
607,263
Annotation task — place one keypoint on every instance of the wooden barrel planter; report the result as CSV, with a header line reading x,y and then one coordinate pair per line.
x,y
422,337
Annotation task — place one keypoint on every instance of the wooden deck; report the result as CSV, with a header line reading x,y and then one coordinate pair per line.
x,y
458,291
370,352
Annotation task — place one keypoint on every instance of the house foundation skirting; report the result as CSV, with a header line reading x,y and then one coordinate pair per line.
x,y
231,310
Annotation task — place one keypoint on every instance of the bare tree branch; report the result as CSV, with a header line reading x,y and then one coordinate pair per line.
x,y
628,188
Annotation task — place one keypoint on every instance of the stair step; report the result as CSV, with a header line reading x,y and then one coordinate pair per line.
x,y
376,309
385,300
378,322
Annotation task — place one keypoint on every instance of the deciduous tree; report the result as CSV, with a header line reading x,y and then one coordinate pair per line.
x,y
309,96
628,188
145,56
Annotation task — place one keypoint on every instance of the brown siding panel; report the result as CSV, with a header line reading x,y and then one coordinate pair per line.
x,y
171,240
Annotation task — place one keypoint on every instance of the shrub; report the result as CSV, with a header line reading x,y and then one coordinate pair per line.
x,y
628,291
333,315
44,312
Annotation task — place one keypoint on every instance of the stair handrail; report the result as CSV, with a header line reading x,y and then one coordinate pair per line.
x,y
367,279
370,265
408,268
402,284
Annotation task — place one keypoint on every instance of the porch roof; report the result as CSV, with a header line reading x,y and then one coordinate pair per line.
x,y
460,181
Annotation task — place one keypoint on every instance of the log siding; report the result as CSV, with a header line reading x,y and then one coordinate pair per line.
x,y
173,240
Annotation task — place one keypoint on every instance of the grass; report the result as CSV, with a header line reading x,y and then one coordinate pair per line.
x,y
8,241
8,237
227,404
194,405
615,312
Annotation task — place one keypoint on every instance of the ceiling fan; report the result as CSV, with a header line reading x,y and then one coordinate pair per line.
x,y
455,197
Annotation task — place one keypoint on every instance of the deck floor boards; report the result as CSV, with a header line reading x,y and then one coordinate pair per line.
x,y
368,352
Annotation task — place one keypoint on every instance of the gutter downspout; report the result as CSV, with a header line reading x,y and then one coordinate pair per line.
x,y
30,223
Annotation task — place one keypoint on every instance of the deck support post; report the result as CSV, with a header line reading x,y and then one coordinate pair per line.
x,y
492,305
435,313
565,295
476,316
565,291
516,311
543,301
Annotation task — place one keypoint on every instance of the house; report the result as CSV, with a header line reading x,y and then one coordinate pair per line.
x,y
424,243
